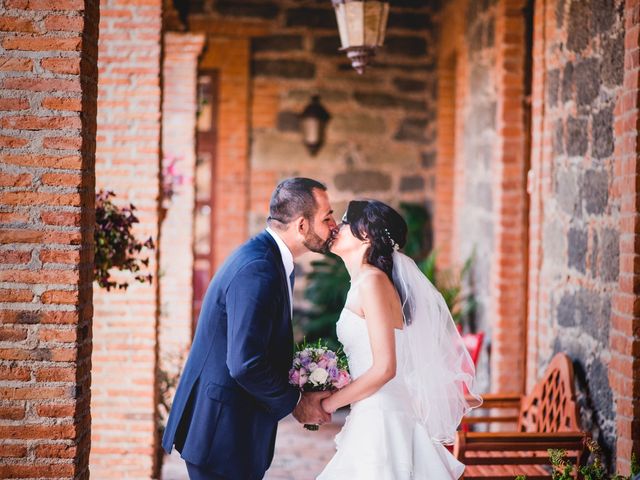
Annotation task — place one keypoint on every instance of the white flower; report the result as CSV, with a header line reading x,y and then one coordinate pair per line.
x,y
319,376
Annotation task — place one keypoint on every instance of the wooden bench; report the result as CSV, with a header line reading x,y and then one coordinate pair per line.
x,y
547,418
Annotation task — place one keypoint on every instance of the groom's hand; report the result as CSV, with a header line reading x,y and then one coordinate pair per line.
x,y
309,409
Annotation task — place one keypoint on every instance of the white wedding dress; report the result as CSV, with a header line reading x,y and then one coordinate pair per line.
x,y
382,438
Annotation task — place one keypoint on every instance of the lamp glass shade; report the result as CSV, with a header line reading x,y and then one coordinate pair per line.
x,y
361,23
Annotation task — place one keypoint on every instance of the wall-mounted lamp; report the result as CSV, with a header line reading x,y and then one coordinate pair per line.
x,y
314,119
362,25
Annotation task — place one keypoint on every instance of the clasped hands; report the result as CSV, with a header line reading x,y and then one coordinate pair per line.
x,y
311,409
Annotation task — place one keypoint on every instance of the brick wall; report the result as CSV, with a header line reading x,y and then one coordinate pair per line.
x,y
179,105
123,406
510,203
47,78
575,233
624,336
230,187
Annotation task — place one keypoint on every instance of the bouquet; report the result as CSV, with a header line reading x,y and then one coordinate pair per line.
x,y
317,369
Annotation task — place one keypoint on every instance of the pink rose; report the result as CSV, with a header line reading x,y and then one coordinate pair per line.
x,y
343,379
323,363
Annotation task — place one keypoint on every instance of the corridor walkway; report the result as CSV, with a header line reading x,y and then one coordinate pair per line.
x,y
300,455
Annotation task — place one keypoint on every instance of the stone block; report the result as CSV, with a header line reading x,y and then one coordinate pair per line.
x,y
409,84
409,21
558,137
559,11
358,181
428,159
567,82
237,8
412,130
599,389
587,77
555,244
580,25
603,144
385,100
595,191
567,191
288,121
327,45
577,241
483,197
408,46
603,12
277,43
326,95
479,81
412,183
357,123
553,86
577,139
609,267
312,18
284,68
613,60
490,33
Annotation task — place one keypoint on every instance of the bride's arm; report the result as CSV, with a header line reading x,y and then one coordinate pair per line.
x,y
377,294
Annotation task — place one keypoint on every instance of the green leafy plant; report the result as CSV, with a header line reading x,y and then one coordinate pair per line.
x,y
115,245
562,467
450,284
326,290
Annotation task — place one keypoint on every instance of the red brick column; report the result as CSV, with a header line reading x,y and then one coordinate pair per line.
x,y
180,68
48,53
445,165
124,400
231,169
539,189
508,269
624,369
449,173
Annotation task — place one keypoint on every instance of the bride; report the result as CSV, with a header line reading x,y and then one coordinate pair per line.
x,y
409,366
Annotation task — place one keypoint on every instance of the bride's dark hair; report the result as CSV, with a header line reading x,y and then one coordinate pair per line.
x,y
383,226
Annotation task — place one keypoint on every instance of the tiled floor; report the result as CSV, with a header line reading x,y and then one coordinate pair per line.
x,y
300,454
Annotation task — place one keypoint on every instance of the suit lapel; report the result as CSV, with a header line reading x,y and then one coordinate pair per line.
x,y
273,246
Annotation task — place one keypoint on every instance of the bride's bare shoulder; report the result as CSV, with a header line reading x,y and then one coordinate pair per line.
x,y
374,281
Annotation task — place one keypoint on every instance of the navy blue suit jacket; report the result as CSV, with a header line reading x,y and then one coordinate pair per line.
x,y
234,387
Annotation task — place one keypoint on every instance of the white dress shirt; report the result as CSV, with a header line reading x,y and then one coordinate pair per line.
x,y
287,261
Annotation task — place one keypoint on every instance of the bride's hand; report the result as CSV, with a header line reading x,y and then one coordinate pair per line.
x,y
325,405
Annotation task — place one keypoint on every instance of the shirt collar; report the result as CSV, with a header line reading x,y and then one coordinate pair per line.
x,y
285,253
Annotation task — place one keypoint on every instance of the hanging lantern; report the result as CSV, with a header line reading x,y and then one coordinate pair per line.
x,y
314,119
362,25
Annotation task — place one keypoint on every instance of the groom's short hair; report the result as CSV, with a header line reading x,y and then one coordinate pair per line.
x,y
292,198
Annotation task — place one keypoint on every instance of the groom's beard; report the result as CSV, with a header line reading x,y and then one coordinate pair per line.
x,y
315,243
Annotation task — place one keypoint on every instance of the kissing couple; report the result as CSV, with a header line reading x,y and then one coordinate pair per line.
x,y
413,379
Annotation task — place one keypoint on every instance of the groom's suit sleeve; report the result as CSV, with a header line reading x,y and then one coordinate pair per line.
x,y
251,313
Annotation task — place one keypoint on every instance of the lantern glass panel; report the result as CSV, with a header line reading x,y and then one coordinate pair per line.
x,y
341,17
355,23
311,130
383,23
371,20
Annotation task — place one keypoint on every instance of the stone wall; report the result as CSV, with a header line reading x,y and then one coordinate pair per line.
x,y
575,265
380,139
474,231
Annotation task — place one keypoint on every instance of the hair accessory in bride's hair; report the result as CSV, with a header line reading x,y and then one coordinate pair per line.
x,y
394,244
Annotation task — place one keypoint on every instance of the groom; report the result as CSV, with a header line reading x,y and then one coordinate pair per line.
x,y
234,388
